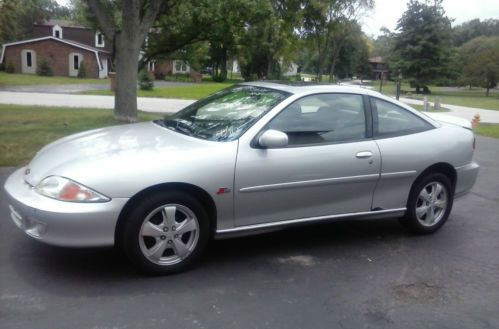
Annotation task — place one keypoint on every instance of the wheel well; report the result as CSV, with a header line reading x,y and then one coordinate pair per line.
x,y
197,192
443,168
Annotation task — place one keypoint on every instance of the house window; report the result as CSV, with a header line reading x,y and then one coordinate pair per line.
x,y
57,32
29,62
99,39
180,66
76,62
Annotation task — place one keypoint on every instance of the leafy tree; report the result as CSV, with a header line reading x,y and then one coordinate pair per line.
x,y
184,25
423,44
127,23
481,62
269,40
474,28
322,21
17,17
348,47
383,44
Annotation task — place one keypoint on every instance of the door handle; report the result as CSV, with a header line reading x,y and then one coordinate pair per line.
x,y
364,155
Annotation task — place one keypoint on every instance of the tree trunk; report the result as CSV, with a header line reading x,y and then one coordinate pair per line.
x,y
137,17
125,100
487,92
223,64
269,74
319,73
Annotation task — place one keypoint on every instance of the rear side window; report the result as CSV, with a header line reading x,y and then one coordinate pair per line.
x,y
392,120
322,119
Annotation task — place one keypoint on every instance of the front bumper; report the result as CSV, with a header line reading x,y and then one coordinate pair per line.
x,y
466,178
61,223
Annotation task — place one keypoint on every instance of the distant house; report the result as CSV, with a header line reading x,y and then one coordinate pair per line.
x,y
169,67
65,45
379,68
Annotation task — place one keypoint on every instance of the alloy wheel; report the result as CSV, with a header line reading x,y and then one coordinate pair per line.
x,y
431,204
169,234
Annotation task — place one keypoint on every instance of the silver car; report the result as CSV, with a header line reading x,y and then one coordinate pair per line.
x,y
251,158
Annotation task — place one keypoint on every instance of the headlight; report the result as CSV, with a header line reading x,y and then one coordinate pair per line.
x,y
64,189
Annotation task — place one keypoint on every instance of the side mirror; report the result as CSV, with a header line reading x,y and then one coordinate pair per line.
x,y
273,139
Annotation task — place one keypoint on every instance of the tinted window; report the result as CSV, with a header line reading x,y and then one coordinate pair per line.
x,y
394,120
322,118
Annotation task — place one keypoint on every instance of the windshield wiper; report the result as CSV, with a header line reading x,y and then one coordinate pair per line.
x,y
178,126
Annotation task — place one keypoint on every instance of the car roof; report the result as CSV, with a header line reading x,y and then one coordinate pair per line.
x,y
308,88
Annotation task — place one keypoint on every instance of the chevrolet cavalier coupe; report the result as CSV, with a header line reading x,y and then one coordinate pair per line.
x,y
252,158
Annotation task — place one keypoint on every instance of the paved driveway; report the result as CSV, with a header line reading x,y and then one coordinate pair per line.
x,y
148,104
368,274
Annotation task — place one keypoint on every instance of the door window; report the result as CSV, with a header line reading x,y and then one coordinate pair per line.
x,y
76,62
322,119
28,59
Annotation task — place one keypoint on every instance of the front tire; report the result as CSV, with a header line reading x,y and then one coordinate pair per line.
x,y
165,233
429,205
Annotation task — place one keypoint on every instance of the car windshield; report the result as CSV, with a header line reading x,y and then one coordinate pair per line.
x,y
226,115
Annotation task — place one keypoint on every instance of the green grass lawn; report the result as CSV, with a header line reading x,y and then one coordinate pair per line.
x,y
26,129
8,79
192,91
488,129
474,97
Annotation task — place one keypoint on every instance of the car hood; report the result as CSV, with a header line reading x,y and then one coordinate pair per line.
x,y
116,155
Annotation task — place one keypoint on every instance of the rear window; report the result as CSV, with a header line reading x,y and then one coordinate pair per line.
x,y
393,120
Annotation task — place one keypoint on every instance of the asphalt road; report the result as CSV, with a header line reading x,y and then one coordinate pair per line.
x,y
369,274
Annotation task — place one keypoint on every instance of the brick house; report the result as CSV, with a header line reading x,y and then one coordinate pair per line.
x,y
64,45
379,68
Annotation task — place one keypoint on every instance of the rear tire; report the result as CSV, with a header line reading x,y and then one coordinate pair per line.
x,y
165,232
429,204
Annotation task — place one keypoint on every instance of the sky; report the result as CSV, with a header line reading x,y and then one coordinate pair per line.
x,y
387,12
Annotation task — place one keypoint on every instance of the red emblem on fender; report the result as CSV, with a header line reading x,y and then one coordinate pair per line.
x,y
223,190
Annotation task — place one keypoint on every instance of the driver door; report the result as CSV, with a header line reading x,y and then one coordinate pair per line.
x,y
329,167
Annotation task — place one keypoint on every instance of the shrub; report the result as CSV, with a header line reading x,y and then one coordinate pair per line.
x,y
146,81
82,71
218,77
178,77
158,75
45,69
10,68
2,67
